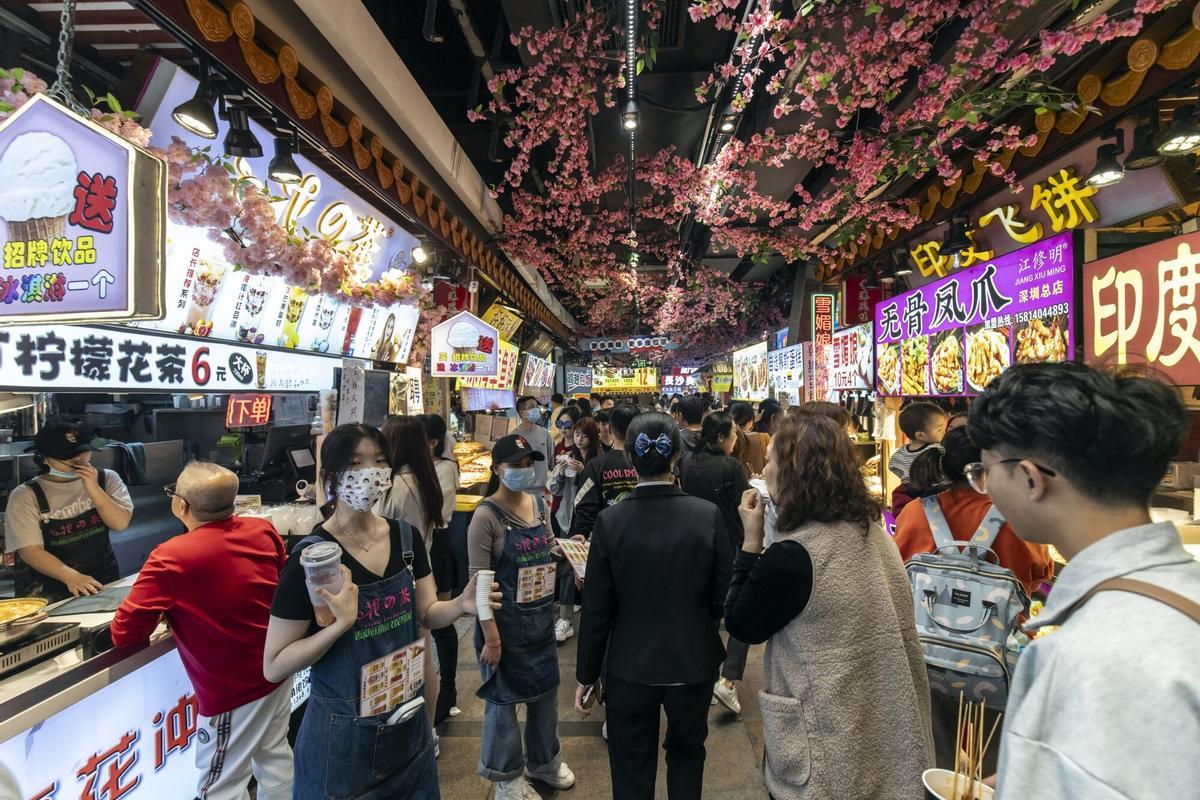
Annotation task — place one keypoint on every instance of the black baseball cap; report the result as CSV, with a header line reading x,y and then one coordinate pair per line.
x,y
514,448
63,439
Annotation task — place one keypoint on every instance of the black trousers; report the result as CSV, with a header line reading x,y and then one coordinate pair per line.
x,y
633,711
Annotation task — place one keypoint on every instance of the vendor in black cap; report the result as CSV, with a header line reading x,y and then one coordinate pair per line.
x,y
58,523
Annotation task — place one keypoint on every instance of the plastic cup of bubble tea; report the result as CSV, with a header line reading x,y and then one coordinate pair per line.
x,y
322,565
483,588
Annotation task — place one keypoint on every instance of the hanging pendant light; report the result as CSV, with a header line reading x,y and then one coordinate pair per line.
x,y
199,115
1108,169
1184,134
1144,154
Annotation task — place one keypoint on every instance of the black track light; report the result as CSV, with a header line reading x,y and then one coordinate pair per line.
x,y
199,115
1108,169
729,120
240,141
1184,135
629,116
283,168
1144,154
956,240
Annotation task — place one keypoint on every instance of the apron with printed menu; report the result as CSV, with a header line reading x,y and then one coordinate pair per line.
x,y
346,749
528,578
80,542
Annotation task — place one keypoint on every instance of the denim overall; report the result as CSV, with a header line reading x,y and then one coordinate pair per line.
x,y
80,542
528,670
342,756
529,658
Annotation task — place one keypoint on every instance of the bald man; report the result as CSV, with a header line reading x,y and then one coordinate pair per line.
x,y
214,586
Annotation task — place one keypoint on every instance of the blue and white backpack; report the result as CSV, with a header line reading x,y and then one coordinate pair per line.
x,y
966,608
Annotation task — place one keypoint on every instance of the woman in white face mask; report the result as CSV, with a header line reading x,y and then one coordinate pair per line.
x,y
509,535
364,733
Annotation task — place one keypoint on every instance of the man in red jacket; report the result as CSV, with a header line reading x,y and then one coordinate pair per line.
x,y
214,585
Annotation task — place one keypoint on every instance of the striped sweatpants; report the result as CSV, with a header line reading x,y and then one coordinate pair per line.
x,y
249,740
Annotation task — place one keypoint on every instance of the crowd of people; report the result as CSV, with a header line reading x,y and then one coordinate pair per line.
x,y
759,519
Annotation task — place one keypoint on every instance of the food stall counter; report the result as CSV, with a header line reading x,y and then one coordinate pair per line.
x,y
123,716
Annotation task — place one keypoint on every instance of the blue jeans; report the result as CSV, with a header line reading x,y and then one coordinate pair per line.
x,y
500,756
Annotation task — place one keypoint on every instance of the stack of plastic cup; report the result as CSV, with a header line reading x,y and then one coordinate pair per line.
x,y
483,588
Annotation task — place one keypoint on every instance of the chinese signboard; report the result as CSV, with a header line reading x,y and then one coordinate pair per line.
x,y
248,410
84,212
858,302
821,312
463,345
843,365
722,382
538,374
1141,307
453,296
503,319
48,358
132,739
627,379
208,296
785,368
627,344
953,336
579,380
750,372
506,371
676,380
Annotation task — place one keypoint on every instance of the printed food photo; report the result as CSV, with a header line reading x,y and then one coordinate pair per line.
x,y
915,366
987,355
947,364
1041,340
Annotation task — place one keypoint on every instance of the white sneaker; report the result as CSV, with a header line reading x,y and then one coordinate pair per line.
x,y
577,609
516,789
437,746
604,731
563,630
455,711
560,779
726,692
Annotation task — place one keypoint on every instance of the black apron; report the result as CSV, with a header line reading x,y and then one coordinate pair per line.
x,y
80,542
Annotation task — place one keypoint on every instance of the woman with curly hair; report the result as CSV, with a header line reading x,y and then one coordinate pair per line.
x,y
845,700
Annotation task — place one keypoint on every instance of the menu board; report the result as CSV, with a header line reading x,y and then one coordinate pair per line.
x,y
785,368
506,371
676,380
538,374
1140,308
750,373
625,379
849,359
503,320
954,336
209,296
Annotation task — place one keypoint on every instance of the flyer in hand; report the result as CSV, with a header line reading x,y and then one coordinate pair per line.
x,y
577,554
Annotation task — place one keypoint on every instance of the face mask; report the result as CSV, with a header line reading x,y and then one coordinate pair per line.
x,y
362,488
58,473
534,415
518,479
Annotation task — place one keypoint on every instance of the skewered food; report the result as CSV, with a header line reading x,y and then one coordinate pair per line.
x,y
889,368
915,365
1040,341
947,364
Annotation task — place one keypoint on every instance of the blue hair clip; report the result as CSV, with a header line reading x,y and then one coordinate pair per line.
x,y
643,443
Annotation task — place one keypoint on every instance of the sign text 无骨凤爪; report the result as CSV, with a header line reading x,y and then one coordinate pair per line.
x,y
1143,307
954,336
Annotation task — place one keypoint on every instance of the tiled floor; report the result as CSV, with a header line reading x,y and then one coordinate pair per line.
x,y
732,770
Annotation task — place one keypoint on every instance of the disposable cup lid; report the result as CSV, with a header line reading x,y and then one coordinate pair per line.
x,y
320,553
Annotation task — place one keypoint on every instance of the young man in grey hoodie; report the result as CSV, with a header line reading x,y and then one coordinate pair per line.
x,y
1104,707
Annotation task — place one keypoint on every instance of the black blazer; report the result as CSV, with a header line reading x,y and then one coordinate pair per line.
x,y
657,575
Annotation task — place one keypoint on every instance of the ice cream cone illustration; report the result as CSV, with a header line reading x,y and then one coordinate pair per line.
x,y
38,175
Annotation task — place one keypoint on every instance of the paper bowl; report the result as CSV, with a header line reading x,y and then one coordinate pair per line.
x,y
939,784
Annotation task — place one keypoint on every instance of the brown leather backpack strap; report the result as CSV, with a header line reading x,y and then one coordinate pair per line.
x,y
1165,596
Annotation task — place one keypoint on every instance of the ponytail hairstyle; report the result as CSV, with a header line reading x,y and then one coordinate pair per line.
x,y
662,443
715,426
926,474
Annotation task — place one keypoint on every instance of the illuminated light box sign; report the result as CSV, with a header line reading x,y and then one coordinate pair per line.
x,y
50,358
785,368
247,410
954,336
625,379
750,373
503,320
207,296
506,371
821,313
84,213
579,380
722,381
627,344
133,739
843,365
1141,307
463,346
677,379
538,374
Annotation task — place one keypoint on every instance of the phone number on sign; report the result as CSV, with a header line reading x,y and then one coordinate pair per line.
x,y
1042,313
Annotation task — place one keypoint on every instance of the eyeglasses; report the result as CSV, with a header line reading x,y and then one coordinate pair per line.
x,y
977,473
169,489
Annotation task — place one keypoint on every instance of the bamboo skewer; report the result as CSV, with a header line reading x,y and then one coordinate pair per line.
x,y
971,748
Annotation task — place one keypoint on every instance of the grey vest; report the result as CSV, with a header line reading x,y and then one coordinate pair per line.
x,y
845,703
